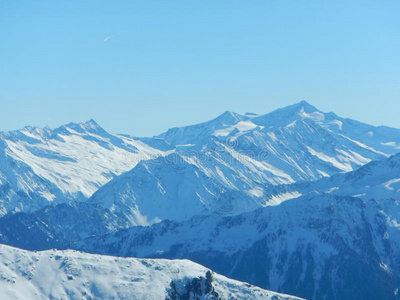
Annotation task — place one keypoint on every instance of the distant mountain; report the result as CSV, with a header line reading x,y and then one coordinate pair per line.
x,y
318,246
230,160
73,275
286,120
42,166
230,164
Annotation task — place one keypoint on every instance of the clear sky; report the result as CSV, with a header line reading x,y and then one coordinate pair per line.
x,y
141,67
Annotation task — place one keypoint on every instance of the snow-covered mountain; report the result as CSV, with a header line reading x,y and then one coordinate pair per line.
x,y
221,166
228,165
74,275
339,239
42,166
283,122
172,187
318,246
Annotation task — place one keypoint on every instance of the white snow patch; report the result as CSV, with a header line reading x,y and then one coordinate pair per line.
x,y
240,126
359,195
387,185
272,136
278,199
315,116
391,144
338,123
323,173
364,146
257,192
346,167
332,189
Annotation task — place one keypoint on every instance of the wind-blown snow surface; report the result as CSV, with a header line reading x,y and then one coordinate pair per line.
x,y
316,246
227,165
73,275
41,166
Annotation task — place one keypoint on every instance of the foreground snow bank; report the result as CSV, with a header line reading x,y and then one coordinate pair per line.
x,y
71,274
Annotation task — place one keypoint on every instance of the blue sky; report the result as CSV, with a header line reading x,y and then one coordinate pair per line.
x,y
140,67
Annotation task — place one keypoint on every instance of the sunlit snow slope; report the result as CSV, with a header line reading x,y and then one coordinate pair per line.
x,y
41,166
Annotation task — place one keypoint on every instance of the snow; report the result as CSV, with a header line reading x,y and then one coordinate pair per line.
x,y
378,180
342,166
226,165
70,162
258,192
391,144
240,126
388,184
87,159
323,173
338,123
359,195
306,238
365,146
71,275
278,199
236,157
211,177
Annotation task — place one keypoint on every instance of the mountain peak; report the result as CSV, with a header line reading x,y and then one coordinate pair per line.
x,y
287,114
192,133
230,118
90,124
87,126
302,106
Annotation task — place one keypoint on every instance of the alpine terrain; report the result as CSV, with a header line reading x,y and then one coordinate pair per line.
x,y
296,201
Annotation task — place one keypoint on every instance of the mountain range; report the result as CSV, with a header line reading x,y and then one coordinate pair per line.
x,y
298,201
229,165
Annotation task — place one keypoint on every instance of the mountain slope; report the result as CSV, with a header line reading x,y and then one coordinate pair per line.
x,y
172,187
57,226
316,246
73,275
41,166
377,180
